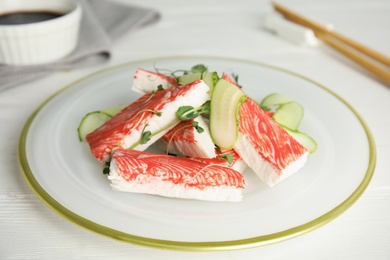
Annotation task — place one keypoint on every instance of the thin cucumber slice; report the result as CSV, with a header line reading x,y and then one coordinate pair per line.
x,y
112,111
272,100
305,140
189,78
90,122
224,106
289,115
211,78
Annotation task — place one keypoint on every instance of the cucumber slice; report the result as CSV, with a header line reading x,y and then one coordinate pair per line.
x,y
274,99
289,115
303,139
90,122
189,78
224,106
94,119
210,78
112,111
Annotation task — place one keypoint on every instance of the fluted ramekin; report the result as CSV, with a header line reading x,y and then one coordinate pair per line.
x,y
39,42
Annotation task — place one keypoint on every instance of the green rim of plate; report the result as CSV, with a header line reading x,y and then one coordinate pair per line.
x,y
196,246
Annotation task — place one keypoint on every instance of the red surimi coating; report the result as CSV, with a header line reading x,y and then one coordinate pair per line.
x,y
184,131
170,80
191,173
269,139
132,118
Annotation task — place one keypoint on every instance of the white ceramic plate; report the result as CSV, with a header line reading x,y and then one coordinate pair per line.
x,y
64,174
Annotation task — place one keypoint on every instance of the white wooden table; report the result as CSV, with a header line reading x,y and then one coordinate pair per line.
x,y
31,230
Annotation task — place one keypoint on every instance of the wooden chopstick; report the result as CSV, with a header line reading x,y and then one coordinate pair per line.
x,y
357,52
375,69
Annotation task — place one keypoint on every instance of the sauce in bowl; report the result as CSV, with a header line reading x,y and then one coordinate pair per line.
x,y
25,17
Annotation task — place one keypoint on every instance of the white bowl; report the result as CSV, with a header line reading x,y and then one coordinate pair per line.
x,y
39,42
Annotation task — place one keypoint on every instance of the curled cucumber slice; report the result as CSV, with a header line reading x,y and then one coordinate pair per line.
x,y
211,78
289,115
224,106
305,140
272,100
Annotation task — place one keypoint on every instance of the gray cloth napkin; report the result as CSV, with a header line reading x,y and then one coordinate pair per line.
x,y
102,22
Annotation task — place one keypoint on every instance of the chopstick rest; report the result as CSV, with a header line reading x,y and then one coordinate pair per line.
x,y
289,30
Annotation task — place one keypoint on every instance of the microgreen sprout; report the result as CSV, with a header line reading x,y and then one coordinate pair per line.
x,y
156,113
199,129
160,87
228,157
189,112
199,68
149,98
106,169
194,124
235,78
145,136
151,111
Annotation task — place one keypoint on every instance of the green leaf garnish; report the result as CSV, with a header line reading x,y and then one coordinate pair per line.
x,y
235,78
155,113
228,157
189,112
194,124
160,87
199,68
106,169
145,136
197,127
205,108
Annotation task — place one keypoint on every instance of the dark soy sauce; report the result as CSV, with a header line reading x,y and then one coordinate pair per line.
x,y
25,17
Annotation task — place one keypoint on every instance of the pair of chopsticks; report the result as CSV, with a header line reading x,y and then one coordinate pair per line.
x,y
369,59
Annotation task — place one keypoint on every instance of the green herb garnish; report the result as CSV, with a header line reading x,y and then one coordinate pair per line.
x,y
199,68
145,136
197,127
235,78
189,112
106,170
160,87
194,124
228,157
